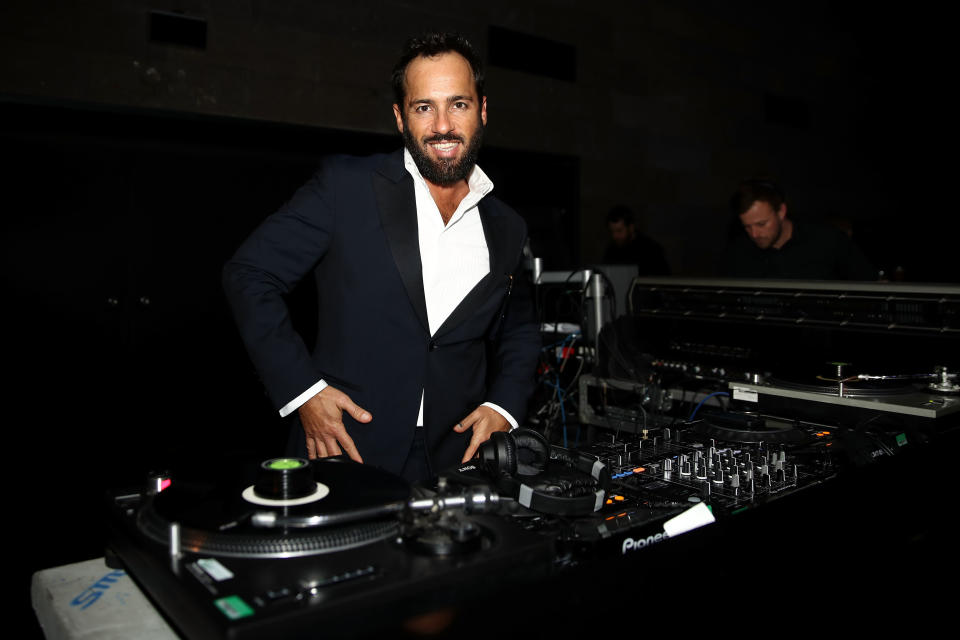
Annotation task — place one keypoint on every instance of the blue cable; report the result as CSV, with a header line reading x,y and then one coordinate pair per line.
x,y
715,393
563,412
565,340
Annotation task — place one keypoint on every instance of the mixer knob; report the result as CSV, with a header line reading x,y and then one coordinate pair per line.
x,y
718,476
734,480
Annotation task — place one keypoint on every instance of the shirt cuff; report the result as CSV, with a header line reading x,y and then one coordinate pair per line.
x,y
503,412
297,402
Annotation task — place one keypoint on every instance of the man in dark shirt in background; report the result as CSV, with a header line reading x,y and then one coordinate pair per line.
x,y
629,246
776,246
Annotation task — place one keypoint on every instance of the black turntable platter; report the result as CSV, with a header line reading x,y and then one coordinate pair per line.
x,y
749,428
352,505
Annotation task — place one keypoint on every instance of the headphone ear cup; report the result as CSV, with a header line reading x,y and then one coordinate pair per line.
x,y
499,453
533,451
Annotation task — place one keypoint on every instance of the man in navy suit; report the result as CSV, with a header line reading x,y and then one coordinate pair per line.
x,y
426,340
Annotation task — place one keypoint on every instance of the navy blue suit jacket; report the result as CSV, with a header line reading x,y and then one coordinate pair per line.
x,y
355,225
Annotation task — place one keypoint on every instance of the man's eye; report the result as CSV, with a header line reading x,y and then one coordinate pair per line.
x,y
459,105
421,108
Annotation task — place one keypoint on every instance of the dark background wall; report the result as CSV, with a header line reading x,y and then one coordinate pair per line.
x,y
138,151
664,105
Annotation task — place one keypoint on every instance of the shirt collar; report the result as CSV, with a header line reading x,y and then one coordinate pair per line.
x,y
480,184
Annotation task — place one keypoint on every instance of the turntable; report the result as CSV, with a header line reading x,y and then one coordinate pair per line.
x,y
287,546
924,396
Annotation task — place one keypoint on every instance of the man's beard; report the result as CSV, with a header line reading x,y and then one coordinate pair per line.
x,y
776,237
444,171
765,243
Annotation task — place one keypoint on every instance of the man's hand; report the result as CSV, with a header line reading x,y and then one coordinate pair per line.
x,y
322,418
484,421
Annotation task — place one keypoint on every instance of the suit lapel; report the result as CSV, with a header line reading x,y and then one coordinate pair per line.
x,y
397,207
495,234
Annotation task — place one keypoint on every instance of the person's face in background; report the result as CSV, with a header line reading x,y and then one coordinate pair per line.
x,y
763,224
621,233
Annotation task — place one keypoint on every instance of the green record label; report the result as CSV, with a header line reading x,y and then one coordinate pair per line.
x,y
285,463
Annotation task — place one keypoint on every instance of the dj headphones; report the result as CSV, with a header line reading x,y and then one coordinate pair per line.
x,y
542,477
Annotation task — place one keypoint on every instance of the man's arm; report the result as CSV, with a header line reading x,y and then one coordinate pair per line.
x,y
266,267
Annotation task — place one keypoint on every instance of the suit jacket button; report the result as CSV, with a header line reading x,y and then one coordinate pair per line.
x,y
434,346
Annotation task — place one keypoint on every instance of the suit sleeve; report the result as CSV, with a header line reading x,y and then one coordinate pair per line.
x,y
266,267
516,345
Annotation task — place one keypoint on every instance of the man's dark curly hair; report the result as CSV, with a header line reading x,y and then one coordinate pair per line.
x,y
433,44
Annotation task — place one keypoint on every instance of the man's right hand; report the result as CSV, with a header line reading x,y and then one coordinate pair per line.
x,y
322,419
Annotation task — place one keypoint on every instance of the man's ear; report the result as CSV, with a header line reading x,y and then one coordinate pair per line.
x,y
782,212
399,117
483,110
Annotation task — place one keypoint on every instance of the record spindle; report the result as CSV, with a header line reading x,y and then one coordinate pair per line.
x,y
285,479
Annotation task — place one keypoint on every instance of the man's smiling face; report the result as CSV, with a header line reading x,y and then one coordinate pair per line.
x,y
442,118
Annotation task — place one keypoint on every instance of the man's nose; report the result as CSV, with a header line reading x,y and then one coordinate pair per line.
x,y
441,123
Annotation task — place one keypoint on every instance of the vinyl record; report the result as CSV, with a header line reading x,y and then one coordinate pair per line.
x,y
354,504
